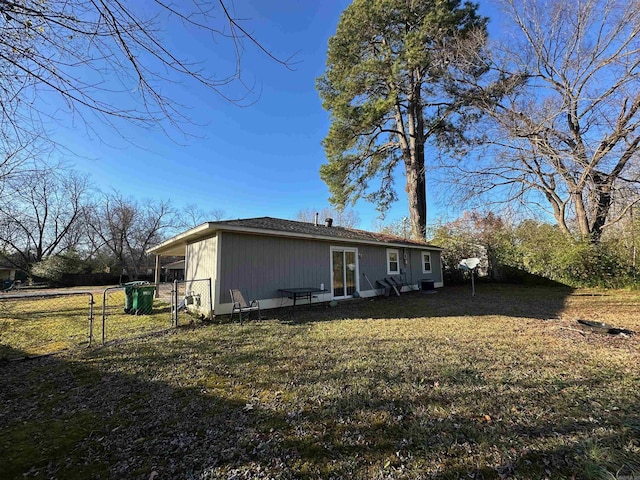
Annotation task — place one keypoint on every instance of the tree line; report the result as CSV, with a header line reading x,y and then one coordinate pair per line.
x,y
53,221
534,251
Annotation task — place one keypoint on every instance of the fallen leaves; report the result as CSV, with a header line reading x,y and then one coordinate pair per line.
x,y
366,395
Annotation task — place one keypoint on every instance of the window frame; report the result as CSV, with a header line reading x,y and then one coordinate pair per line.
x,y
422,257
397,261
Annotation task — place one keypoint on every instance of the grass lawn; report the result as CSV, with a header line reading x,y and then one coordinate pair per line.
x,y
50,324
504,385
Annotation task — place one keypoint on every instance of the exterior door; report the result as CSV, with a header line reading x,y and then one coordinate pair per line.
x,y
344,272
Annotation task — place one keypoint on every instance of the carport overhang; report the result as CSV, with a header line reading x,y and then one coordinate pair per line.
x,y
177,246
172,250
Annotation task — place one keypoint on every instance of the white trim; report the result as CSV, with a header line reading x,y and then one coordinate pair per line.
x,y
422,254
397,252
278,302
216,281
343,249
371,293
190,236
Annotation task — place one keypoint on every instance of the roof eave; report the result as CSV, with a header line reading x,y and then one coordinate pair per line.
x,y
320,236
169,247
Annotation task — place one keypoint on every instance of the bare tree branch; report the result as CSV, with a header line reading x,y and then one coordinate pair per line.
x,y
38,211
127,228
107,58
570,131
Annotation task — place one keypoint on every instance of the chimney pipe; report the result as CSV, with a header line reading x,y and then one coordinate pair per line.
x,y
316,222
328,222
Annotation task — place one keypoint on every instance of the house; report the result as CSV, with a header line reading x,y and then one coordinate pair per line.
x,y
260,256
174,271
7,271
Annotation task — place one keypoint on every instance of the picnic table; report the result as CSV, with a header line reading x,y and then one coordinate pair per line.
x,y
297,293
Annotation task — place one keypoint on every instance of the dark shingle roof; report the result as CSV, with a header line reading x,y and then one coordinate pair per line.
x,y
282,228
278,225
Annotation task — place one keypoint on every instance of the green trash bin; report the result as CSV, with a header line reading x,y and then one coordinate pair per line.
x,y
128,294
142,303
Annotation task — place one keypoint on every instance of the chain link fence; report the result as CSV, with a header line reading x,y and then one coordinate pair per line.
x,y
45,322
191,298
132,310
40,323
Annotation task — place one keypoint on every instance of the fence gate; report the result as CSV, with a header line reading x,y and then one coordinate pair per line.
x,y
134,310
40,323
189,299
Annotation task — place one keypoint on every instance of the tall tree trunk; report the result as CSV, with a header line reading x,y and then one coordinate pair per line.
x,y
416,178
417,193
581,215
602,209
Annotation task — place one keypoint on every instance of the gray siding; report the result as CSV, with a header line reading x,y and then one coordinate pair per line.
x,y
374,264
415,267
373,261
260,265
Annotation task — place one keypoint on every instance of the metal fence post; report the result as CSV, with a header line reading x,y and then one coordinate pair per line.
x,y
90,318
175,303
210,299
67,307
104,312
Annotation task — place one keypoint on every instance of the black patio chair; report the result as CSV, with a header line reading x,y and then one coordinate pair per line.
x,y
241,306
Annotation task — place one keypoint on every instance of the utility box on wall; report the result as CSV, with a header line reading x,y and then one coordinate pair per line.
x,y
427,285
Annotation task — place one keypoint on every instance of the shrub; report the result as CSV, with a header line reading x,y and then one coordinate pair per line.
x,y
530,250
54,267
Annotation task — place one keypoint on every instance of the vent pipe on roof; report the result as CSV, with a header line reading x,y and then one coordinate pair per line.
x,y
328,222
316,222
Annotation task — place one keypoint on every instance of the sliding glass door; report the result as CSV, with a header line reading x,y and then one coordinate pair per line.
x,y
344,271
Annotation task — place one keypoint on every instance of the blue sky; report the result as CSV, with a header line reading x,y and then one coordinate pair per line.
x,y
258,160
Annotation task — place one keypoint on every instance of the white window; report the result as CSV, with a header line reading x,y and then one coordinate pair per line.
x,y
393,261
426,262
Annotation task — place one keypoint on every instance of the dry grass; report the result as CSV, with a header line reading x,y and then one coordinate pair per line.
x,y
421,386
42,325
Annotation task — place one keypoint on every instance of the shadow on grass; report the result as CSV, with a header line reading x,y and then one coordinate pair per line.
x,y
61,418
206,407
456,301
403,441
